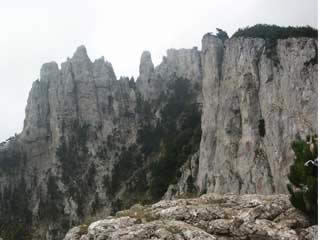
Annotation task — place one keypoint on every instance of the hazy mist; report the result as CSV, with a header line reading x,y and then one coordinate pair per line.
x,y
35,32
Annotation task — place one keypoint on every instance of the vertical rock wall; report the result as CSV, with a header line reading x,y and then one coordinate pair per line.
x,y
256,102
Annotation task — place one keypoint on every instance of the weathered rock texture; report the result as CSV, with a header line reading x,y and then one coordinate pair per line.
x,y
92,143
245,83
82,148
211,216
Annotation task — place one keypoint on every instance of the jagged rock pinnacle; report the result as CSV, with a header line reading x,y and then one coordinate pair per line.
x,y
81,52
48,69
146,65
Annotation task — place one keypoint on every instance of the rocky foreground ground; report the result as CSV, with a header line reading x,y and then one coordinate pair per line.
x,y
211,216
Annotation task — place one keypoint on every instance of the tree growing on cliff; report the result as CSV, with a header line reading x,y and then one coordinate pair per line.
x,y
303,177
223,35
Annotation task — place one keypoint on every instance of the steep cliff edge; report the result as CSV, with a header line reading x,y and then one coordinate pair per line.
x,y
257,100
216,120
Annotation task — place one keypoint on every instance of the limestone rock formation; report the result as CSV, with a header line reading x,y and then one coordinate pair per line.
x,y
93,143
256,102
184,63
82,128
212,216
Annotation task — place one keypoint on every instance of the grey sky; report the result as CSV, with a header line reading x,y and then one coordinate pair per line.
x,y
38,31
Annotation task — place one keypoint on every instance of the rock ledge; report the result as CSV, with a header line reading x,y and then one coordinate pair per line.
x,y
211,216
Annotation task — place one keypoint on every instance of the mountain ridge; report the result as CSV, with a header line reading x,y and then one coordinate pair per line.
x,y
190,125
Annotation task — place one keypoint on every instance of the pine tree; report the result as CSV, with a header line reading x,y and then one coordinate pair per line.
x,y
303,177
223,35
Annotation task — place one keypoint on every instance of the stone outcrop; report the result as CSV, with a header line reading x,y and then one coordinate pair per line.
x,y
212,216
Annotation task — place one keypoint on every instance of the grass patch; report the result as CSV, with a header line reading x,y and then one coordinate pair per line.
x,y
139,212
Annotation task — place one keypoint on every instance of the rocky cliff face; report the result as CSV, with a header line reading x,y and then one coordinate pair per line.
x,y
92,143
257,100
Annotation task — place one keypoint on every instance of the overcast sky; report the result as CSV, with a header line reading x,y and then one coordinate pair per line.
x,y
39,31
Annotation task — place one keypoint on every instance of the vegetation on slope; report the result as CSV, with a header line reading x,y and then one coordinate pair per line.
x,y
163,144
274,32
180,136
73,155
16,218
303,177
73,152
11,160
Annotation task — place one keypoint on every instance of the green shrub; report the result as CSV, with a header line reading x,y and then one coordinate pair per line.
x,y
303,177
